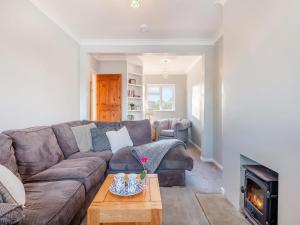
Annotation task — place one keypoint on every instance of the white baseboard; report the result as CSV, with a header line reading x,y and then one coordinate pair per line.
x,y
195,145
206,159
212,161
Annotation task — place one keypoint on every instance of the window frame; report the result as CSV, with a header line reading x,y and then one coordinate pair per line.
x,y
160,86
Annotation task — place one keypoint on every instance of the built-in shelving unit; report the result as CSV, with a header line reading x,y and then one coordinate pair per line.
x,y
135,91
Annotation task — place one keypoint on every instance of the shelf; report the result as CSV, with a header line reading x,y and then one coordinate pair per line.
x,y
135,110
134,64
136,74
135,85
136,98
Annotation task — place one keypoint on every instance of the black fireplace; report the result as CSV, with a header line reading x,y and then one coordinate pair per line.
x,y
260,195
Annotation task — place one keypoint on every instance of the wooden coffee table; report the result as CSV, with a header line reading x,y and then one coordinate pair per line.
x,y
142,209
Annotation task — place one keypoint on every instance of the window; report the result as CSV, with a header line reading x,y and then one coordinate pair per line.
x,y
161,97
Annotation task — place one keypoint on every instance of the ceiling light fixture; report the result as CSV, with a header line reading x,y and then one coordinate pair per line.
x,y
165,73
135,4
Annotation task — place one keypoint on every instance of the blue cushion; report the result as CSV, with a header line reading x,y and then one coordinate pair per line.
x,y
100,140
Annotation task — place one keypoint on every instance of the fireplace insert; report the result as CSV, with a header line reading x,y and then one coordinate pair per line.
x,y
260,195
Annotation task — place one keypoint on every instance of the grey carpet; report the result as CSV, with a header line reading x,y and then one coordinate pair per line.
x,y
219,211
181,207
205,177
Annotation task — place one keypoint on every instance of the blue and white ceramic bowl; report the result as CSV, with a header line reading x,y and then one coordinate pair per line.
x,y
125,191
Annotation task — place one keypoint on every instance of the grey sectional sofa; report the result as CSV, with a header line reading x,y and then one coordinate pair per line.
x,y
60,182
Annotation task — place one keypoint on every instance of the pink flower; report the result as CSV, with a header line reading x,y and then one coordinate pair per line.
x,y
144,160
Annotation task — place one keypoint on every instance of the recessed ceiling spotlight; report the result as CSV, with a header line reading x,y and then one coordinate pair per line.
x,y
144,28
220,2
135,4
165,61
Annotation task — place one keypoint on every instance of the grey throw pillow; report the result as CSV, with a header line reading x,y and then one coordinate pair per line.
x,y
83,136
10,211
100,140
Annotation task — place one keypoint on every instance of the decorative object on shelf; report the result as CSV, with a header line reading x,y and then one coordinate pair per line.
x,y
135,4
132,106
131,93
130,117
132,81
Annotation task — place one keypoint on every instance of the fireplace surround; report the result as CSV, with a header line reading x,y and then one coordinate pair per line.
x,y
260,191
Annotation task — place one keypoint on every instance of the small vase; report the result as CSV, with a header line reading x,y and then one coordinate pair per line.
x,y
144,180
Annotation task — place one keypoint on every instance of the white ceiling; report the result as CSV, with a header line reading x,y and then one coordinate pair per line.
x,y
178,65
115,19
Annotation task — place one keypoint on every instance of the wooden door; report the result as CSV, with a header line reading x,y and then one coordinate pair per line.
x,y
109,95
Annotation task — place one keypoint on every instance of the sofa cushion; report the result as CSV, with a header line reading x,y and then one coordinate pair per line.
x,y
139,131
167,133
36,149
66,138
52,203
83,136
164,124
100,140
119,139
7,154
88,171
106,155
176,159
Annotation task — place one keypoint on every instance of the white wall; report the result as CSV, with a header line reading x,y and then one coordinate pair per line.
x,y
210,68
217,155
180,95
92,101
39,69
204,73
195,77
261,96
